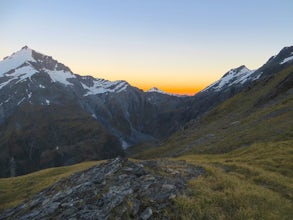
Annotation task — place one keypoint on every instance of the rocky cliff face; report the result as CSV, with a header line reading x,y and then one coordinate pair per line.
x,y
116,189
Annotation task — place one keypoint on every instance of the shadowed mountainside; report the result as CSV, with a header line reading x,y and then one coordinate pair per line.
x,y
261,113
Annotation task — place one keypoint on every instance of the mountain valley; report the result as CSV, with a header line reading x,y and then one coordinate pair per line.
x,y
224,153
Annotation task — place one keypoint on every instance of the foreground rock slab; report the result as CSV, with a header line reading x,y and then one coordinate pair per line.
x,y
118,188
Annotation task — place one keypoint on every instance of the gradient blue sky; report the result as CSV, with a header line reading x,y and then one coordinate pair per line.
x,y
176,45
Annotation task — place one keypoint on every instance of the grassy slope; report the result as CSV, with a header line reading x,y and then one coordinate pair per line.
x,y
15,190
250,160
260,114
248,183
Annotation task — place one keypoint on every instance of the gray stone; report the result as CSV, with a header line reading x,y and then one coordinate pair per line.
x,y
69,211
172,196
31,215
139,172
146,214
52,208
168,187
135,207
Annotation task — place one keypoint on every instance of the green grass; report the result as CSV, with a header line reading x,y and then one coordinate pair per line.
x,y
15,190
243,184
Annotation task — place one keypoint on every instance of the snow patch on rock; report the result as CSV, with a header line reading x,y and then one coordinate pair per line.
x,y
156,90
19,74
21,101
103,86
61,76
287,60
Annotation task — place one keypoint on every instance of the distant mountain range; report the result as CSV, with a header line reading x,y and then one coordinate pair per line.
x,y
50,116
254,109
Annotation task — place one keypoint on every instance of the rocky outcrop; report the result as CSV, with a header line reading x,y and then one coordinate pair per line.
x,y
118,188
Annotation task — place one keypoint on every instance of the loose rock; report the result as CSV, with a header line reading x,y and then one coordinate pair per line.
x,y
147,213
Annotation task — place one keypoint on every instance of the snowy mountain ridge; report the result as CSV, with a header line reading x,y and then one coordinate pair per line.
x,y
25,63
241,75
156,90
235,76
102,86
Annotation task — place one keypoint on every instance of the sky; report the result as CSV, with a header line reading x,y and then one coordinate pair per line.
x,y
179,46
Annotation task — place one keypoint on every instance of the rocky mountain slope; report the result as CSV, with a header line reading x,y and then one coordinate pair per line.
x,y
118,188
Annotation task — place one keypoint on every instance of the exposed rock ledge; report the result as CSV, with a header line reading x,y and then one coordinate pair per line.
x,y
118,188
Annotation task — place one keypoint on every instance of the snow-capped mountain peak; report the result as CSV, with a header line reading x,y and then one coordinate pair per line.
x,y
238,75
16,59
284,57
26,62
31,73
156,90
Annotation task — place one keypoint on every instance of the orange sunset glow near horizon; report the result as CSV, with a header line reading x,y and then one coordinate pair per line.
x,y
182,83
175,89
